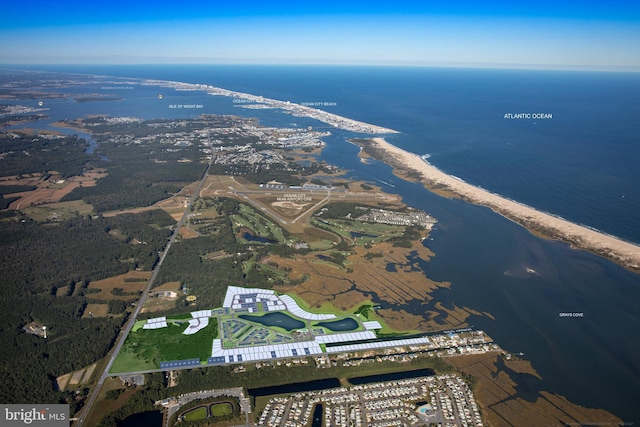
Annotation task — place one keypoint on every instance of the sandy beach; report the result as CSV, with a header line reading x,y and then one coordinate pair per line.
x,y
619,251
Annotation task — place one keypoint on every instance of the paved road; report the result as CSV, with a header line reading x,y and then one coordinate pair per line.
x,y
93,395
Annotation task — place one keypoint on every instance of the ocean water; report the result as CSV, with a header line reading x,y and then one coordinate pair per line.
x,y
581,165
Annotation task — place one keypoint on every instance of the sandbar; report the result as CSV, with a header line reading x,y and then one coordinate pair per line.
x,y
624,253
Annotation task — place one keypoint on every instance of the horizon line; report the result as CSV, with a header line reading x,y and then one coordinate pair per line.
x,y
523,67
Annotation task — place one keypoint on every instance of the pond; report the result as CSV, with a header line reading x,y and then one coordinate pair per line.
x,y
275,319
341,325
393,376
251,238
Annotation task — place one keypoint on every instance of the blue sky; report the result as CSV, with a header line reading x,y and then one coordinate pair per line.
x,y
524,34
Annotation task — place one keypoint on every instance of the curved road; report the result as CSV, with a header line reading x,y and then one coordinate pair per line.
x,y
93,395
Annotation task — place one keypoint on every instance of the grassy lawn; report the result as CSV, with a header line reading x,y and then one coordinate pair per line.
x,y
146,348
371,232
61,210
221,409
321,245
199,413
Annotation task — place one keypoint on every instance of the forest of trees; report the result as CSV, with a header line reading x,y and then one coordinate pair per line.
x,y
134,179
23,154
35,261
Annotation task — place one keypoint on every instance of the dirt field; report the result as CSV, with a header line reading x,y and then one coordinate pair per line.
x,y
50,191
169,286
174,206
107,285
96,310
60,292
88,373
63,381
154,304
505,402
187,233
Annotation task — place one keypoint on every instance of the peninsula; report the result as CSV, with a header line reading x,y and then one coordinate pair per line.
x,y
247,100
410,164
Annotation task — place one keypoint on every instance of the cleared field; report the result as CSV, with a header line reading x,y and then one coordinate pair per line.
x,y
96,310
138,280
146,348
76,377
63,381
60,211
60,292
168,286
174,206
81,376
159,303
498,392
188,233
54,189
88,373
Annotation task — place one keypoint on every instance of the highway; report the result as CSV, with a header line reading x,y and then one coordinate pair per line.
x,y
93,394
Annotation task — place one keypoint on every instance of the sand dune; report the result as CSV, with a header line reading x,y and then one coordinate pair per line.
x,y
624,253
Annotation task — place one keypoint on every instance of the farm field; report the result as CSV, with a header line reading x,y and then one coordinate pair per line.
x,y
54,189
131,283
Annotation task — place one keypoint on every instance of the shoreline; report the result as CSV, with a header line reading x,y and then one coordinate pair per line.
x,y
578,236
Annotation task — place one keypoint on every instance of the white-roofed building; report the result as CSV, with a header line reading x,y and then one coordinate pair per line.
x,y
371,325
295,309
156,323
196,325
